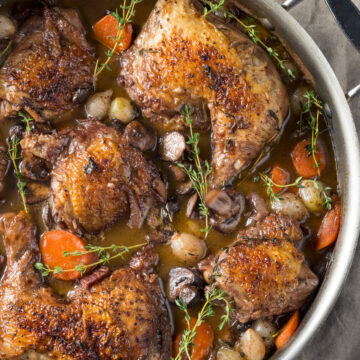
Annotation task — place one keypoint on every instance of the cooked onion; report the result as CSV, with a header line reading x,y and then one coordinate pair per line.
x,y
290,205
7,27
187,247
228,354
252,345
98,104
122,110
266,329
311,195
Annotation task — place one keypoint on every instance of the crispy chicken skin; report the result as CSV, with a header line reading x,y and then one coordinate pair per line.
x,y
121,317
50,69
181,58
96,178
262,271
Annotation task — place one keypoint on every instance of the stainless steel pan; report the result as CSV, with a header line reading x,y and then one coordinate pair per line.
x,y
346,145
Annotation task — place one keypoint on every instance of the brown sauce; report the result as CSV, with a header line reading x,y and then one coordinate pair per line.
x,y
120,234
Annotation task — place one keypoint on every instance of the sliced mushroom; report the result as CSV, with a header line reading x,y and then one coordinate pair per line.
x,y
260,207
171,208
47,217
191,204
226,208
172,146
186,284
140,136
34,168
177,173
36,192
184,188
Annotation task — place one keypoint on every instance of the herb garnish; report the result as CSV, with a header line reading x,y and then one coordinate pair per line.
x,y
187,339
2,60
326,199
13,152
123,18
198,174
14,156
269,184
102,253
250,29
312,124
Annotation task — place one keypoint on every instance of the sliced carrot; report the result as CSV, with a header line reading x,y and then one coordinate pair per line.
x,y
304,162
288,330
106,30
202,343
279,176
52,246
329,227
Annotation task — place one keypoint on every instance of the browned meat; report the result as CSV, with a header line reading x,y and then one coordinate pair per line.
x,y
262,271
95,276
181,58
4,163
121,317
97,177
50,70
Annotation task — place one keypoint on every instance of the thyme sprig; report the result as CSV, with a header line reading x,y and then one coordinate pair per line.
x,y
123,17
14,156
312,101
212,7
250,29
212,296
2,54
197,173
326,199
27,120
269,184
104,257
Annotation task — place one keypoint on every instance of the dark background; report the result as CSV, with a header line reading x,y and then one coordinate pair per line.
x,y
339,337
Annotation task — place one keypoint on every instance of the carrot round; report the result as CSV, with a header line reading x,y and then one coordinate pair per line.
x,y
52,246
106,30
202,343
288,330
304,162
329,227
280,177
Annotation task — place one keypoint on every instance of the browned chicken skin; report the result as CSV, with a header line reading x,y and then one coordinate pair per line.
x,y
50,69
122,317
181,58
263,271
97,177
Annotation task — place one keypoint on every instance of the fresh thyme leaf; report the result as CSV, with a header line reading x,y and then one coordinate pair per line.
x,y
212,296
2,54
312,103
198,174
250,29
27,120
326,199
102,252
124,17
13,153
269,184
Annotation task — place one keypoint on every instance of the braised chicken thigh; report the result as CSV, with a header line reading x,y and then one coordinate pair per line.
x,y
262,271
122,317
181,58
93,161
50,69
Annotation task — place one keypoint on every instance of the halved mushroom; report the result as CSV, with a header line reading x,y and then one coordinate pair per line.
x,y
186,284
172,146
34,168
226,208
140,136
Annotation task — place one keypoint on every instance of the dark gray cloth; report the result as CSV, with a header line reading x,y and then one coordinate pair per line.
x,y
338,338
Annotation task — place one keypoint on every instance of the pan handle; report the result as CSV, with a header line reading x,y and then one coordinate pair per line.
x,y
289,4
